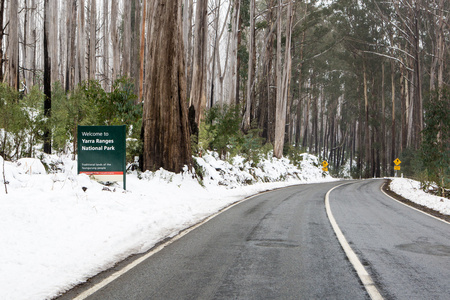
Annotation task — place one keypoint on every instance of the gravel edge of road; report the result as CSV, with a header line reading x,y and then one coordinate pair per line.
x,y
387,190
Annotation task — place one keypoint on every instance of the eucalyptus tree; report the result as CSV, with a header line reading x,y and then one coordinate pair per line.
x,y
198,88
92,39
47,76
165,126
283,77
13,45
2,34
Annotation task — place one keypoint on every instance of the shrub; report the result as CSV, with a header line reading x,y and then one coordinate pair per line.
x,y
221,130
435,151
13,122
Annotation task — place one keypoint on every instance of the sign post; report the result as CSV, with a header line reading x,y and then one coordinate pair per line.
x,y
397,163
324,166
102,152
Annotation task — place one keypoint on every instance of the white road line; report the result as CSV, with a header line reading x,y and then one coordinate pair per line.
x,y
412,207
138,261
351,255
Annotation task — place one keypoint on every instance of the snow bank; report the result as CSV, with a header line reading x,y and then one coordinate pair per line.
x,y
59,228
410,189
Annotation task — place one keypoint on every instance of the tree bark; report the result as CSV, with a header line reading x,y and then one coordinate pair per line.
x,y
2,33
54,42
71,30
105,62
92,39
367,128
142,53
29,45
165,124
198,90
251,68
81,45
383,123
13,57
188,12
47,77
234,52
393,133
135,44
283,80
126,39
115,41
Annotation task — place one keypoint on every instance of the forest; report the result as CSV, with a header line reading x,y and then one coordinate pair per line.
x,y
357,83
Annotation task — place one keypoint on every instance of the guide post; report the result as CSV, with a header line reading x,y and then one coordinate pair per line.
x,y
102,152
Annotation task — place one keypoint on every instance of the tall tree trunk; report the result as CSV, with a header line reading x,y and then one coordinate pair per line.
x,y
71,31
30,43
54,41
13,57
62,40
23,43
251,68
2,33
280,101
410,109
383,122
215,49
188,12
47,78
234,52
441,44
403,120
81,44
267,112
135,44
367,128
221,74
187,24
115,41
92,39
306,123
418,110
165,124
393,137
283,83
105,62
142,52
198,91
126,39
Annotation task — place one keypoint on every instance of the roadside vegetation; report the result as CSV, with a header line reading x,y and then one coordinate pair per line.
x,y
22,124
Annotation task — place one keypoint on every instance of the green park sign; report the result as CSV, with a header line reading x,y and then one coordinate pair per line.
x,y
102,152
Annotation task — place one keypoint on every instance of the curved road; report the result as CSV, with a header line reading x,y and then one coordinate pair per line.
x,y
280,245
406,252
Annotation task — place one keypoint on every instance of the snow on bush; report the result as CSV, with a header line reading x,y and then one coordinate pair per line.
x,y
58,228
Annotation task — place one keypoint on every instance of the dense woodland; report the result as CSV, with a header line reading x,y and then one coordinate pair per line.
x,y
355,82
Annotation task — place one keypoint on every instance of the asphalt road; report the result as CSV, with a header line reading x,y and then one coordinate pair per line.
x,y
280,245
406,252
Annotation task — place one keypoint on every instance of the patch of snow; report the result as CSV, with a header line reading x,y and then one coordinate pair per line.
x,y
30,166
58,228
410,189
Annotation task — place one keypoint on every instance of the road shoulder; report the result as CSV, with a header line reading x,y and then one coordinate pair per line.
x,y
403,200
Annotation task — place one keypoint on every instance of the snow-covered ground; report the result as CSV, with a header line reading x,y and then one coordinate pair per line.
x,y
55,235
410,189
57,229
